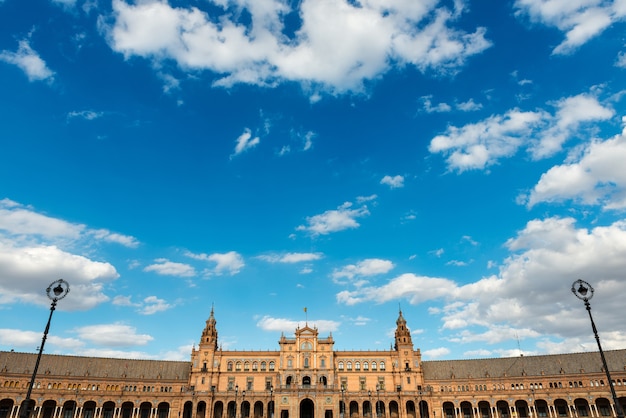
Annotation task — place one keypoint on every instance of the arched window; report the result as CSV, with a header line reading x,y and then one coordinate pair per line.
x,y
340,365
349,365
382,365
229,366
373,365
357,365
263,366
271,366
365,365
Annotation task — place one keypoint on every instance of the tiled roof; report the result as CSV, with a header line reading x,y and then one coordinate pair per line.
x,y
57,365
548,365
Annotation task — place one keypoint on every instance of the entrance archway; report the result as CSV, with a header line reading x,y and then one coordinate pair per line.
x,y
307,409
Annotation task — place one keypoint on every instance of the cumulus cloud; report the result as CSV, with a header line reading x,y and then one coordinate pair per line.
x,y
29,61
409,286
245,142
342,218
28,340
25,270
291,257
394,182
229,263
21,222
150,305
531,294
268,323
337,45
84,114
364,268
596,178
482,144
113,335
165,267
580,21
438,108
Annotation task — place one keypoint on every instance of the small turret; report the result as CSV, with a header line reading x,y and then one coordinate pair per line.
x,y
403,334
209,334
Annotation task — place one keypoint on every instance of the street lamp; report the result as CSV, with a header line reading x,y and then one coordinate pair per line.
x,y
236,392
378,401
583,291
342,408
243,404
369,394
271,401
56,291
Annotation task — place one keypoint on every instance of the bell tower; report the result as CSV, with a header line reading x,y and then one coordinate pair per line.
x,y
403,334
209,334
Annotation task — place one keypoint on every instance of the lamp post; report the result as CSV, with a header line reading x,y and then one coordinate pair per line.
x,y
342,408
243,404
236,392
55,292
369,394
378,401
583,291
271,402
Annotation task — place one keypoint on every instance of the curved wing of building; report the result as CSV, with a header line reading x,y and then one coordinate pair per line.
x,y
307,378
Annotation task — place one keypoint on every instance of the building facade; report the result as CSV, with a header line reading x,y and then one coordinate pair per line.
x,y
307,378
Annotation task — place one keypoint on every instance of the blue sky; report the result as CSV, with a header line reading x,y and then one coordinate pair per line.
x,y
460,160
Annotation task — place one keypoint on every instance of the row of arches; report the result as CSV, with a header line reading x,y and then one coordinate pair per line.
x,y
559,408
89,409
540,408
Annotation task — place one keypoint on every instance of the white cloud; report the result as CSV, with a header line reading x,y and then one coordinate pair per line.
x,y
84,114
230,262
268,323
531,295
25,271
344,217
337,47
165,267
436,353
580,20
415,288
394,182
245,142
364,268
438,108
28,61
482,144
479,145
469,106
29,340
22,222
113,335
597,178
152,305
571,113
291,257
621,60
